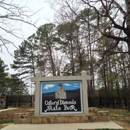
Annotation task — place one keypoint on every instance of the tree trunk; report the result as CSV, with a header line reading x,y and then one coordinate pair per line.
x,y
72,58
127,3
52,62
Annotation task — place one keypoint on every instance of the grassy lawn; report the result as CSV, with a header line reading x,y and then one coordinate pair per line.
x,y
121,116
118,114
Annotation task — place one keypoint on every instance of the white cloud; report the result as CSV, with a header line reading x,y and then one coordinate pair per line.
x,y
67,84
47,86
76,85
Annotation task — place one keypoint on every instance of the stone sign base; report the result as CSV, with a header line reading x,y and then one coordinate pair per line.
x,y
29,118
3,102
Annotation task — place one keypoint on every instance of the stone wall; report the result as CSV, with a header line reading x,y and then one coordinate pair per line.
x,y
29,118
24,118
2,102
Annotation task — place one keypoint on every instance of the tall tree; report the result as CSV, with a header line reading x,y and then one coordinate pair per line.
x,y
45,36
85,18
3,77
113,22
25,59
119,27
67,33
16,86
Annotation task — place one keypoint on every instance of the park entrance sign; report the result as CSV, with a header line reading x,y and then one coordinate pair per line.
x,y
61,97
61,94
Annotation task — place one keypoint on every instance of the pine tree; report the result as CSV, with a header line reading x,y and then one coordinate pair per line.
x,y
16,86
3,77
24,60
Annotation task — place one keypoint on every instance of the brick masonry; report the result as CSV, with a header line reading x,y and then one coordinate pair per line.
x,y
29,118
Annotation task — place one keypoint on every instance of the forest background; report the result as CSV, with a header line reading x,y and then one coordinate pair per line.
x,y
86,35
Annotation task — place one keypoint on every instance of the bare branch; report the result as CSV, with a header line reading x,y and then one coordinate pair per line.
x,y
120,8
10,13
9,31
17,19
36,12
6,41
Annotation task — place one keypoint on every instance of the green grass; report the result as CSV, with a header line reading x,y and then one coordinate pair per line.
x,y
100,129
6,121
121,115
104,129
25,106
116,111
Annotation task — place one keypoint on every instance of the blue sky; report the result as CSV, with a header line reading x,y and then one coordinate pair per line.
x,y
53,86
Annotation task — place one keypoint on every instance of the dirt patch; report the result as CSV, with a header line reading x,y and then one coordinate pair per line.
x,y
122,120
4,125
123,124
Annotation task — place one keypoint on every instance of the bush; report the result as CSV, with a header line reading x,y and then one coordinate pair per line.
x,y
6,121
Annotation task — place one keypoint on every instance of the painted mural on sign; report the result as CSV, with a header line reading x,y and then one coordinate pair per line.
x,y
61,97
